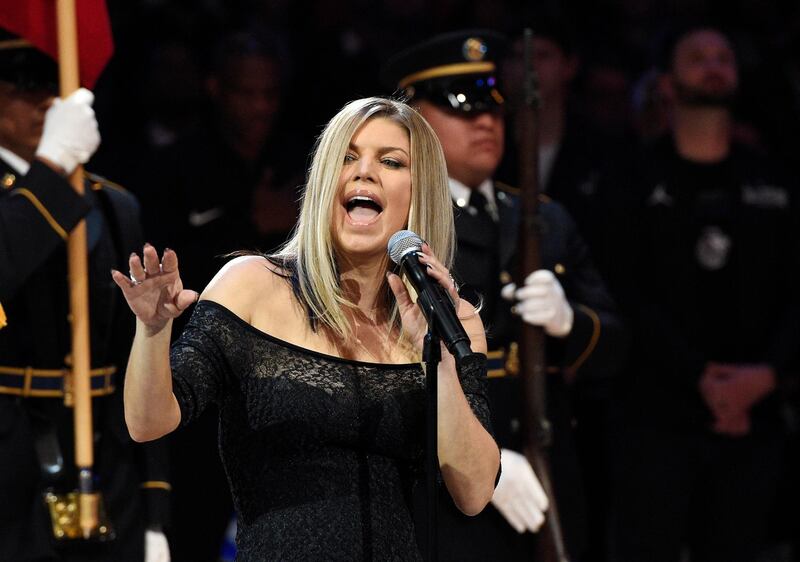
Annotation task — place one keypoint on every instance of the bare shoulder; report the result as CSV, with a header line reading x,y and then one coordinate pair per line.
x,y
241,284
473,325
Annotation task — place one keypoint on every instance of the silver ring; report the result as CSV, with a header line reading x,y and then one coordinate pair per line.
x,y
134,281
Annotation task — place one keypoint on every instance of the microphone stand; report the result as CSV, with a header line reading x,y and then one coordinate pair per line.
x,y
432,355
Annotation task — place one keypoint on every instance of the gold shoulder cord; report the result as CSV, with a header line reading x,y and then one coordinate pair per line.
x,y
42,210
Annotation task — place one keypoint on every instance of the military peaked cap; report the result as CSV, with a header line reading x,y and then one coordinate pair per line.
x,y
455,70
25,66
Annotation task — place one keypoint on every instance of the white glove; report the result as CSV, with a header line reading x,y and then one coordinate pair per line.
x,y
70,134
519,496
542,303
156,547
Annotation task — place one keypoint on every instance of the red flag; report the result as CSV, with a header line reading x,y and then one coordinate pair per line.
x,y
35,20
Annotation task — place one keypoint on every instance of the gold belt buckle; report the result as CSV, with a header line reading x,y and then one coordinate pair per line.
x,y
65,511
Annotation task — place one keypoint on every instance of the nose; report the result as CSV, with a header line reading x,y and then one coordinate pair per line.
x,y
264,104
365,169
486,120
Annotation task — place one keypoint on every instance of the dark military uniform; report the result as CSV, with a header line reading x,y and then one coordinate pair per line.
x,y
36,438
592,352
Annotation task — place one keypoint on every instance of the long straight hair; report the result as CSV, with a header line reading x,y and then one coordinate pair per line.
x,y
309,255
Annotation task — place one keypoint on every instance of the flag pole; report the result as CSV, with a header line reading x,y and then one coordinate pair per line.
x,y
69,81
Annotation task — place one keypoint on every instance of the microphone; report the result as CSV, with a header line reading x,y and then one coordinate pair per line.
x,y
431,296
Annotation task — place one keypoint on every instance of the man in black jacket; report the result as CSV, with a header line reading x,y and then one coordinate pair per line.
x,y
42,141
452,81
714,306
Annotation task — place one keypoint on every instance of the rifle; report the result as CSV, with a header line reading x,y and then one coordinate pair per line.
x,y
550,546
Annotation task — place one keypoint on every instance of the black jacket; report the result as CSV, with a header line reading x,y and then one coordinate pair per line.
x,y
715,255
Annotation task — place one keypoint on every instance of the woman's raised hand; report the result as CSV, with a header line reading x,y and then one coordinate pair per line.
x,y
410,314
154,290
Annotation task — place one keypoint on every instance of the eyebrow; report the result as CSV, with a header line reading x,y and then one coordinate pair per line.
x,y
384,149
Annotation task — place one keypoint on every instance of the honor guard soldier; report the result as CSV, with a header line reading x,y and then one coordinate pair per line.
x,y
452,80
42,140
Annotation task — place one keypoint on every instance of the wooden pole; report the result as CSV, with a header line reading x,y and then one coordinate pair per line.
x,y
69,79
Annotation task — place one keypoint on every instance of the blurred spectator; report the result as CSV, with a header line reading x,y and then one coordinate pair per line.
x,y
232,179
577,160
172,95
605,94
150,94
714,253
650,107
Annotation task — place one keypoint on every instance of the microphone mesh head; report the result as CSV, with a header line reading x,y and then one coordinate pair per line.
x,y
402,242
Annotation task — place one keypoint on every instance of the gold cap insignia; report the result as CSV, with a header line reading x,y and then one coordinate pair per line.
x,y
8,181
474,49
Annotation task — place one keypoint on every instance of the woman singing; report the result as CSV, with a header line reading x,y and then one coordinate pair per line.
x,y
313,355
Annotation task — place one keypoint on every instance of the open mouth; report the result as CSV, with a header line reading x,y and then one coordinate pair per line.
x,y
362,209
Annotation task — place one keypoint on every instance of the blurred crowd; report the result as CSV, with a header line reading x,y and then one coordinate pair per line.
x,y
208,110
326,53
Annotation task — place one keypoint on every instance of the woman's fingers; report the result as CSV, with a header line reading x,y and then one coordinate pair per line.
x,y
181,302
149,266
151,262
122,280
153,289
399,290
439,272
136,268
169,261
185,299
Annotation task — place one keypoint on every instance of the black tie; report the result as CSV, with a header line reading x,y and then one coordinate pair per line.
x,y
486,280
487,223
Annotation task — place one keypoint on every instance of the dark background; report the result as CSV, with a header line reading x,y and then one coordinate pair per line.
x,y
333,50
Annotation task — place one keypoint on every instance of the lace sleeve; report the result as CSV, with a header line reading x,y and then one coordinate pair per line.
x,y
198,363
472,375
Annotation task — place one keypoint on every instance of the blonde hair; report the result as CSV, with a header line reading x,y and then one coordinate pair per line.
x,y
309,255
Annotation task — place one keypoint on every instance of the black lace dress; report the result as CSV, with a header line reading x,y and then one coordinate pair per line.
x,y
320,452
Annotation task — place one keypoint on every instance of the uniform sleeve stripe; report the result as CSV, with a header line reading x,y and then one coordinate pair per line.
x,y
156,485
42,209
592,341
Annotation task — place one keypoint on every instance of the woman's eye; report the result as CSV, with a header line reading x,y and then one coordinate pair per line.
x,y
391,163
349,158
